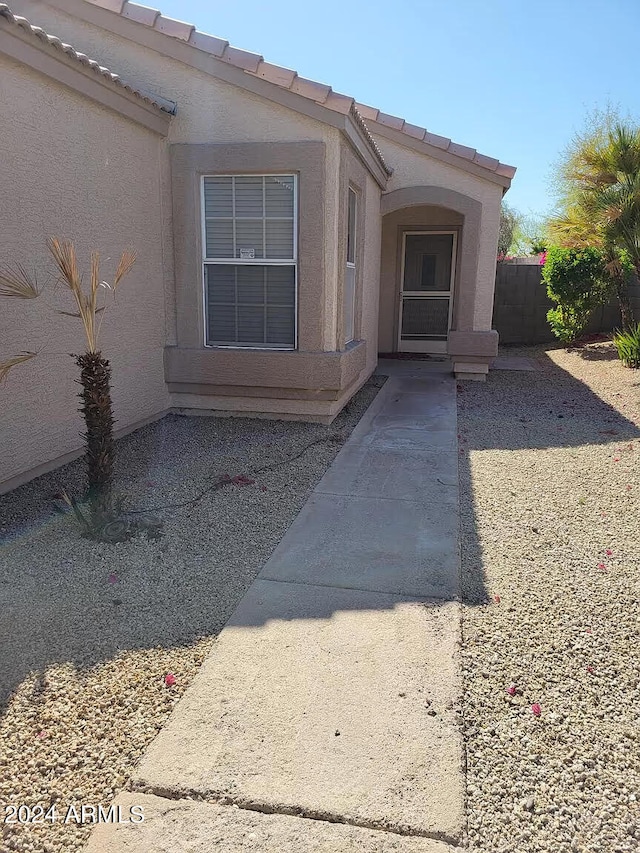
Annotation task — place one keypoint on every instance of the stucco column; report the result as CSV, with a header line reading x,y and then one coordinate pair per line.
x,y
486,272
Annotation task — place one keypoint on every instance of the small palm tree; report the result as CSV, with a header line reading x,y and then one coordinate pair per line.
x,y
602,203
95,372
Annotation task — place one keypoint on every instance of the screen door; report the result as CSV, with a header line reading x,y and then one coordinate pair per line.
x,y
427,288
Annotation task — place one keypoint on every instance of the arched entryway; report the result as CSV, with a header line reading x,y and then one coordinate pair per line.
x,y
429,264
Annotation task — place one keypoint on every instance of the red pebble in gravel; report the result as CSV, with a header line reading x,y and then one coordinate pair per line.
x,y
242,480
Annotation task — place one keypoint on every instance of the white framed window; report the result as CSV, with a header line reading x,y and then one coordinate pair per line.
x,y
249,257
349,306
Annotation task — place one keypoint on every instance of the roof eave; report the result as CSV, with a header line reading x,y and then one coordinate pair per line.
x,y
249,78
31,46
169,37
501,176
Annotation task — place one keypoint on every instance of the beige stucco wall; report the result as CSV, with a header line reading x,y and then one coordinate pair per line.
x,y
210,111
411,169
74,169
393,226
213,112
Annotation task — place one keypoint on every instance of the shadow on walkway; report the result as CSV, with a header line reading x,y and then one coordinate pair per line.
x,y
56,601
57,604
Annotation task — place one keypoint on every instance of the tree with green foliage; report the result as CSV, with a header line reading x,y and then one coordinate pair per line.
x,y
530,237
577,283
599,194
520,234
538,245
508,224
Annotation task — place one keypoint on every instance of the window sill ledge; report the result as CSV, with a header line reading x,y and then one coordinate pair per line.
x,y
260,368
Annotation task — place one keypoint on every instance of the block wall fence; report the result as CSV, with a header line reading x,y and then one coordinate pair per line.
x,y
521,303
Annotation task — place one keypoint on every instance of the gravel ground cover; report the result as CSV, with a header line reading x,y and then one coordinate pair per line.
x,y
550,493
90,631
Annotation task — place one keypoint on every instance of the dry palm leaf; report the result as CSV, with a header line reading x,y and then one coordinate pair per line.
x,y
7,364
125,264
16,282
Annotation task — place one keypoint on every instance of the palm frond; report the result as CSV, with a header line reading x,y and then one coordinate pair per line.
x,y
127,260
576,228
76,314
66,260
7,364
16,282
125,264
95,275
600,200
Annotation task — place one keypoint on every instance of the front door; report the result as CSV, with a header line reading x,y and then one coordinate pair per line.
x,y
427,275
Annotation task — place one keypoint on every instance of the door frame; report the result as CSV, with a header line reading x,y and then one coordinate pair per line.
x,y
426,346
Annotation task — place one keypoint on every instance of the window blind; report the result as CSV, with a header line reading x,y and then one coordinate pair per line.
x,y
249,219
249,213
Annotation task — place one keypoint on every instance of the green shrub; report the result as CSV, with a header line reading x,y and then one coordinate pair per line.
x,y
628,346
568,323
576,281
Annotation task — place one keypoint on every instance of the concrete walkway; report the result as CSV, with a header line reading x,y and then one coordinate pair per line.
x,y
326,716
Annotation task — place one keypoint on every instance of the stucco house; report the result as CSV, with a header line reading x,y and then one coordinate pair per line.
x,y
286,234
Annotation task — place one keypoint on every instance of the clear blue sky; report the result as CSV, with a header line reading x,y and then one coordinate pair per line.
x,y
512,79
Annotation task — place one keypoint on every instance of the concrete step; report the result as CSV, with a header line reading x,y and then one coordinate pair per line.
x,y
187,826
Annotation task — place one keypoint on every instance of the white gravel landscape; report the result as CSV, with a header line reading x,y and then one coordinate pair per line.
x,y
90,631
550,492
550,514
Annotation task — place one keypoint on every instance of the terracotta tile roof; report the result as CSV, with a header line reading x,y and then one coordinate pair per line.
x,y
320,93
161,104
444,143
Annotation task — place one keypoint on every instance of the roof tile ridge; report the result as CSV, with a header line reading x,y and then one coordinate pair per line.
x,y
287,78
34,31
359,120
